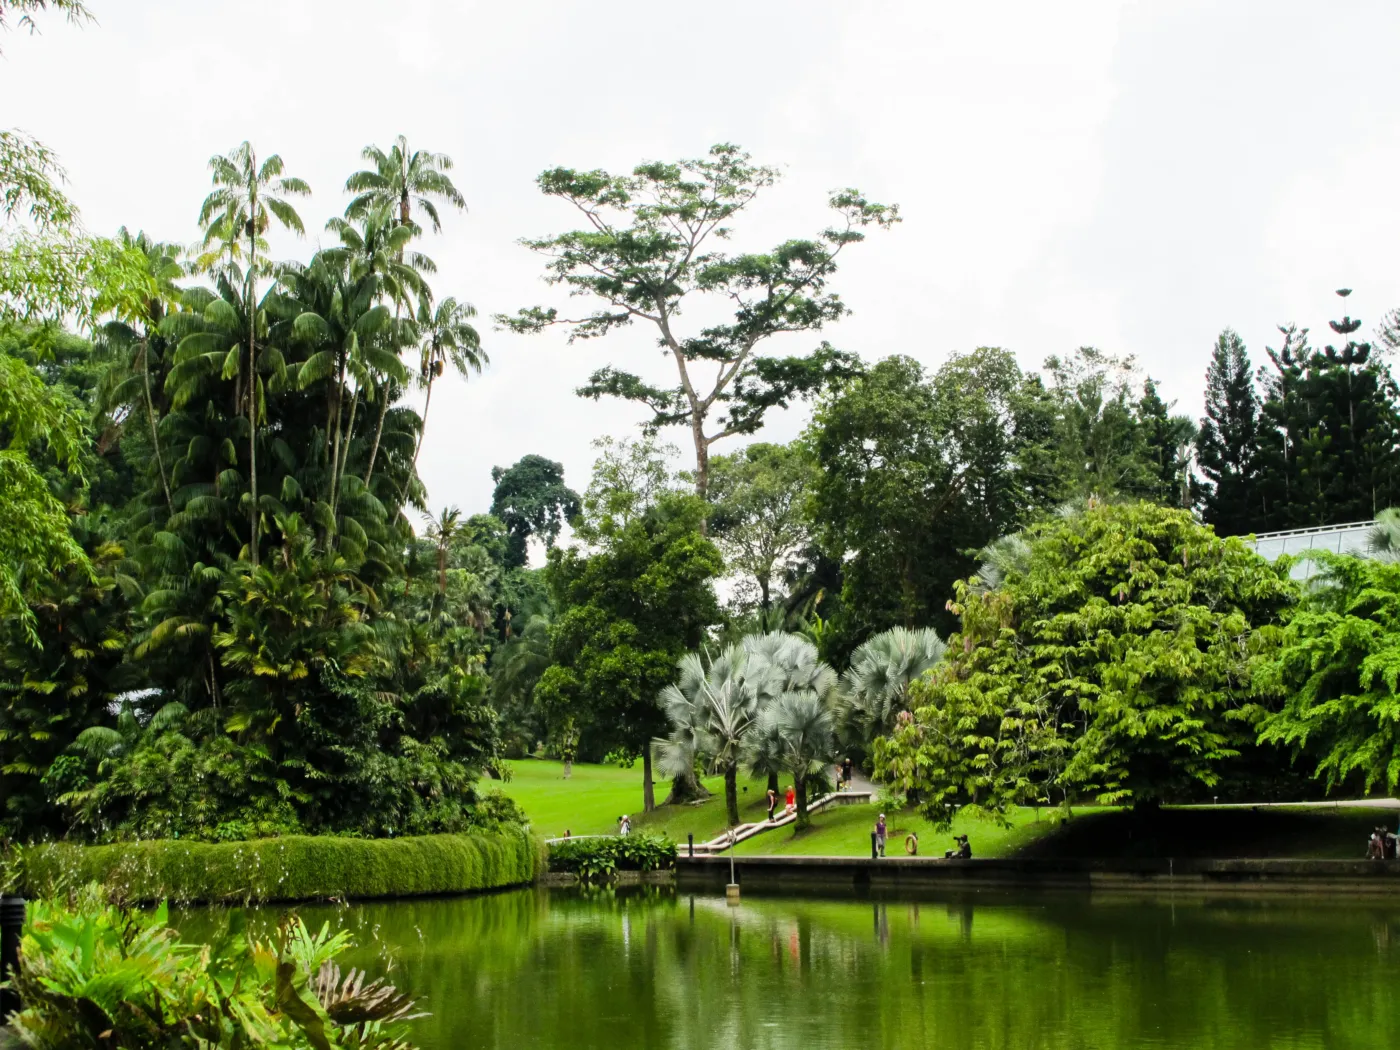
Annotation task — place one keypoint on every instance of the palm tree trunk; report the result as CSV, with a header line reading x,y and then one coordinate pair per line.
x,y
345,448
423,425
151,415
773,783
731,795
378,430
252,396
648,788
799,784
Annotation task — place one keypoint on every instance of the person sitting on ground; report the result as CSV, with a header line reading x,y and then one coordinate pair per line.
x,y
790,801
1375,849
965,850
960,851
880,830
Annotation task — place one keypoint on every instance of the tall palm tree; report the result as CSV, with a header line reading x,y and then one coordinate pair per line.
x,y
447,338
399,179
138,304
245,199
442,530
877,682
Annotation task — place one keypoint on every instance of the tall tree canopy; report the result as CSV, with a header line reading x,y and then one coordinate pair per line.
x,y
650,251
1114,662
627,609
759,518
532,500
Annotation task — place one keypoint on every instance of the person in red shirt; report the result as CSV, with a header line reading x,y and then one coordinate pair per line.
x,y
791,800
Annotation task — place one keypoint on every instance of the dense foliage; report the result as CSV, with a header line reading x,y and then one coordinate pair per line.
x,y
96,975
1337,676
1114,663
226,623
599,856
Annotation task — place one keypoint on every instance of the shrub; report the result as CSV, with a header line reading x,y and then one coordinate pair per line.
x,y
94,975
593,857
296,867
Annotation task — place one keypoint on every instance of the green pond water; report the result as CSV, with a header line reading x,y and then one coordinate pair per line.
x,y
644,967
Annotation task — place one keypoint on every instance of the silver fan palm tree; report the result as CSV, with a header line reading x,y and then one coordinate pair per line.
x,y
881,671
794,733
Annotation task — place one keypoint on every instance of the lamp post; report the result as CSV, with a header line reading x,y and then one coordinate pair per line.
x,y
731,892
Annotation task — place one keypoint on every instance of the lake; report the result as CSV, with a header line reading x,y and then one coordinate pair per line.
x,y
648,967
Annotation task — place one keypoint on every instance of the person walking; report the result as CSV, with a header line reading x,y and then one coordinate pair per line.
x,y
846,769
880,832
772,803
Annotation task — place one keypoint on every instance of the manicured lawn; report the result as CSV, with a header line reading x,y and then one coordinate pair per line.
x,y
592,799
845,832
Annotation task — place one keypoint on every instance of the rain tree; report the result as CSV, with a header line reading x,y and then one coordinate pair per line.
x,y
650,249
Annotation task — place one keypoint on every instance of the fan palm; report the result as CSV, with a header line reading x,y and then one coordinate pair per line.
x,y
245,199
447,338
877,682
1383,539
794,734
711,710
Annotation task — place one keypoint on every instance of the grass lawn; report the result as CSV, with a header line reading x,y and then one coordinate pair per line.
x,y
845,832
592,799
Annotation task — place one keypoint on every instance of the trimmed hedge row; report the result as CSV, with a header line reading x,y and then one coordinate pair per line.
x,y
293,868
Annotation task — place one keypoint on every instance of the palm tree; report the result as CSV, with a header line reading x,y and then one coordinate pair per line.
x,y
379,246
401,178
711,710
448,338
794,733
877,682
244,200
138,305
1383,538
442,530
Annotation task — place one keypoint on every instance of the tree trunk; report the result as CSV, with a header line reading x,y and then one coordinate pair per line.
x,y
799,785
702,464
378,430
151,415
568,768
773,784
765,603
648,788
423,426
731,795
253,381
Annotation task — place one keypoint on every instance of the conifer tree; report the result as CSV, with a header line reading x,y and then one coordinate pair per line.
x,y
1165,450
1227,445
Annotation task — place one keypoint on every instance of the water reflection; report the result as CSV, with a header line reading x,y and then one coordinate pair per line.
x,y
647,968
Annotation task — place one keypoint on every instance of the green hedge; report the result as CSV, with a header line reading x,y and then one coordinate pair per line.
x,y
293,868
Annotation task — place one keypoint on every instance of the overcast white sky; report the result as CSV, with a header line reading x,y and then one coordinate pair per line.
x,y
1129,176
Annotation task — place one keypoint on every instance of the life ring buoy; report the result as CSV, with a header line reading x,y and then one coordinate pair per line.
x,y
911,844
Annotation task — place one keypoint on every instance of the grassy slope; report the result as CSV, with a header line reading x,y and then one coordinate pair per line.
x,y
592,799
845,832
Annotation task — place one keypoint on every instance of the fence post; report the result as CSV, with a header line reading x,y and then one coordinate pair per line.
x,y
873,855
11,926
690,839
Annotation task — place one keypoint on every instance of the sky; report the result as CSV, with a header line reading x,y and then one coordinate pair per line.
x,y
1130,176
